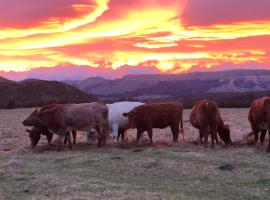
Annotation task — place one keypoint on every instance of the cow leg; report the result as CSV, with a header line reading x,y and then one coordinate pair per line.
x,y
268,148
99,141
256,135
175,132
104,140
49,137
214,136
115,131
262,137
139,134
74,135
205,134
65,139
59,141
205,139
201,137
150,135
68,137
101,135
121,132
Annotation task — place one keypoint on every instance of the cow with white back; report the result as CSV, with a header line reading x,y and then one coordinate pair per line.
x,y
117,122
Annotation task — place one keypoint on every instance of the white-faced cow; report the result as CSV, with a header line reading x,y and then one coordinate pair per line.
x,y
88,117
205,116
156,115
117,122
259,118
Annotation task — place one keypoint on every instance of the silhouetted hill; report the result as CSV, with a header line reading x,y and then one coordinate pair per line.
x,y
34,92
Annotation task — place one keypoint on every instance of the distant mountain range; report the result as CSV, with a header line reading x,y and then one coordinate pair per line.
x,y
235,88
236,84
33,92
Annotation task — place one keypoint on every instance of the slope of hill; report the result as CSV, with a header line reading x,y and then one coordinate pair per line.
x,y
34,92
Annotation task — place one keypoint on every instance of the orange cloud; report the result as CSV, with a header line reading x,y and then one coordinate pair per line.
x,y
105,34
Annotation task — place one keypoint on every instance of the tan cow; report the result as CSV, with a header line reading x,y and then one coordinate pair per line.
x,y
205,116
88,117
259,118
156,115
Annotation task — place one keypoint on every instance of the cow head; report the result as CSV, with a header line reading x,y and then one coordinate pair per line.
x,y
33,119
34,137
224,133
133,118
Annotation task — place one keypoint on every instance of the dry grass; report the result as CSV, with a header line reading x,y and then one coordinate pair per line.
x,y
124,171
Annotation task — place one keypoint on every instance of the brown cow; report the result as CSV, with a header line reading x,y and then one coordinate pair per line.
x,y
89,117
205,116
156,115
259,118
36,132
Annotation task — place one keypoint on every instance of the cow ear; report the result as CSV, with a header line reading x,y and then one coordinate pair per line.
x,y
125,114
48,110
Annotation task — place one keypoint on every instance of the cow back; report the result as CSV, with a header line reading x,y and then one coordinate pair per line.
x,y
159,115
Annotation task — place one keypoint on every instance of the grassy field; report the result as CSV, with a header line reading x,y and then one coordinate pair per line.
x,y
162,171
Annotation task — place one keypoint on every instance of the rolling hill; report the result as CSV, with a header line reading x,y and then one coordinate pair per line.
x,y
34,92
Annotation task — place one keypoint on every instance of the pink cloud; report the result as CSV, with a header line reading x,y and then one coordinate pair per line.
x,y
208,12
29,13
231,66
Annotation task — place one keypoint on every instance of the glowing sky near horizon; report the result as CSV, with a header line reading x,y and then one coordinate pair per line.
x,y
174,36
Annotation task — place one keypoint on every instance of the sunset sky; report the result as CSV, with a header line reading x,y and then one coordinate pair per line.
x,y
116,37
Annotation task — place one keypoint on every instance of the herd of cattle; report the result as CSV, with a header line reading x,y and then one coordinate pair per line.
x,y
98,120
